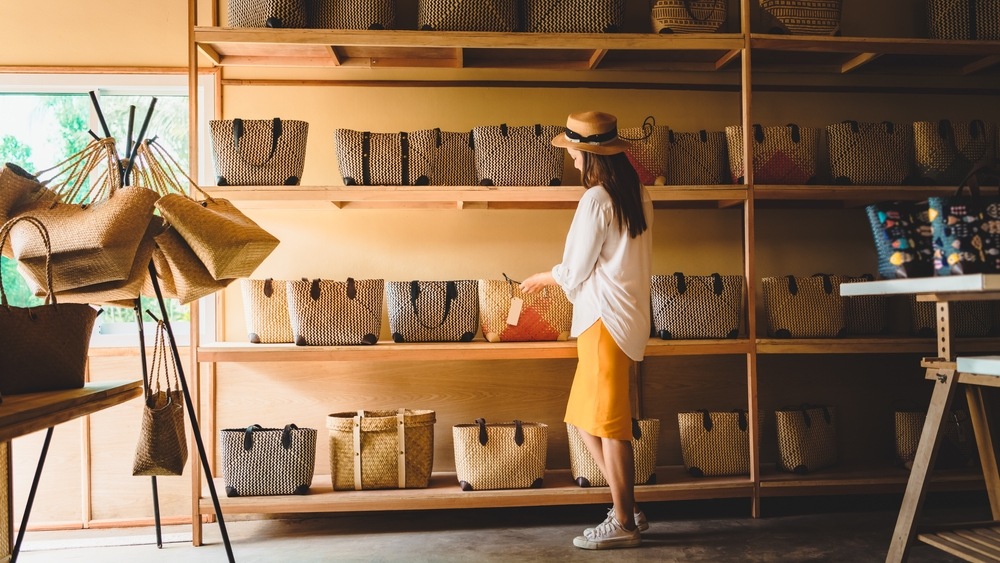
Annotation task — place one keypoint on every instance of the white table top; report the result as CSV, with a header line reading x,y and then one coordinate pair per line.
x,y
982,365
970,283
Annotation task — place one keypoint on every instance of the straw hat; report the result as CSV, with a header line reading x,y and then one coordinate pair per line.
x,y
591,131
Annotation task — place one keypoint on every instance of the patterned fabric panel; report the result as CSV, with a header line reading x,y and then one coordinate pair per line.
x,y
686,307
334,313
645,447
721,448
573,16
871,154
946,150
804,307
697,159
468,15
518,156
454,163
807,438
688,16
964,19
803,17
902,235
965,234
352,14
781,154
433,311
267,468
501,463
250,162
385,159
267,13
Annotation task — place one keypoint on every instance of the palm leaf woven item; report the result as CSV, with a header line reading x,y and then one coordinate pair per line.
x,y
15,184
688,16
545,315
267,13
518,155
352,14
871,154
945,151
265,306
335,313
162,445
781,154
260,461
381,449
386,159
804,307
259,152
802,17
500,455
686,307
179,272
807,438
649,147
964,19
468,15
697,159
645,445
573,16
714,443
433,311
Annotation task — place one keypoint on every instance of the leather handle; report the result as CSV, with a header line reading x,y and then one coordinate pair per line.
x,y
286,436
681,283
706,420
239,130
450,293
483,436
248,436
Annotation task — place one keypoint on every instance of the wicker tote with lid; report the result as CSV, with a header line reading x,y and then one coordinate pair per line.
x,y
381,449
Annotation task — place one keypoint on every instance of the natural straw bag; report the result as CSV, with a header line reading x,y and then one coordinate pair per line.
x,y
545,315
335,313
807,438
265,307
715,443
381,449
645,440
162,446
15,184
506,455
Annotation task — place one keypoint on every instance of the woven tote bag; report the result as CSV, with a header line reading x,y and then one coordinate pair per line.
x,y
545,315
648,150
352,14
162,445
645,446
433,311
802,17
385,159
688,16
179,272
969,319
335,313
714,443
518,156
260,461
504,455
697,159
573,16
265,308
16,183
258,152
381,449
45,347
866,314
781,154
871,154
965,234
804,307
963,19
902,236
686,307
956,449
945,151
267,13
807,438
468,15
454,162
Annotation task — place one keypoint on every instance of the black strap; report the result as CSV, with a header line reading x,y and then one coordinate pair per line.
x,y
238,130
973,33
483,436
352,289
450,293
793,286
717,284
681,283
690,13
268,287
706,420
741,416
518,433
758,133
503,130
366,155
636,430
404,158
286,436
248,436
796,134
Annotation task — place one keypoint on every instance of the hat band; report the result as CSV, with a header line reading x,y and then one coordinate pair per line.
x,y
596,139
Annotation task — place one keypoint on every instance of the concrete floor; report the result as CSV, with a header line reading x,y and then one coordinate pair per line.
x,y
849,529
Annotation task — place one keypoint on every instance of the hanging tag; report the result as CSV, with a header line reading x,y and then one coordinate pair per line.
x,y
515,311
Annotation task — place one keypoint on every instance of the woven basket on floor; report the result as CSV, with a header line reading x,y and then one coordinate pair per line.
x,y
381,449
645,445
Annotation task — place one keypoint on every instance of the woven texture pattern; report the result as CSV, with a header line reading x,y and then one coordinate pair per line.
x,y
781,154
545,315
267,13
278,461
573,16
803,17
454,162
433,311
688,16
964,19
468,15
957,446
179,272
228,243
687,307
258,152
500,463
45,347
352,14
385,159
697,159
867,314
804,307
645,447
265,307
518,156
718,446
335,313
965,233
902,236
969,319
15,184
378,436
162,445
870,154
807,438
649,147
945,151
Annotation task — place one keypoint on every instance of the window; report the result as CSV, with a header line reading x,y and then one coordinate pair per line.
x,y
46,118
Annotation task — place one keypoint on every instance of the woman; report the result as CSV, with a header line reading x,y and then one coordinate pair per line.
x,y
605,272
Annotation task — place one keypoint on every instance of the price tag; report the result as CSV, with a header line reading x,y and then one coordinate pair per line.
x,y
515,311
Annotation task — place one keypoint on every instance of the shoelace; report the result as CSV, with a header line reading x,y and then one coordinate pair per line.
x,y
607,528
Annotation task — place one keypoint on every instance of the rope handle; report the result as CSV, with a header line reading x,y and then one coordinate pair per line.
x,y
5,234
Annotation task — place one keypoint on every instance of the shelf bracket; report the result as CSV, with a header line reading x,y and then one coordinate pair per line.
x,y
211,53
595,58
981,64
725,59
334,57
858,62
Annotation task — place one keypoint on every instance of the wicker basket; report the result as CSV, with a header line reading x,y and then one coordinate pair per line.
x,y
395,449
506,455
807,438
645,440
714,443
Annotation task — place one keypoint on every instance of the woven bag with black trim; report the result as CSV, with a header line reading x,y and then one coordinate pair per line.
x,y
969,319
352,14
902,235
804,307
801,17
697,159
807,438
957,446
500,455
963,19
267,13
688,16
781,154
468,15
518,155
865,314
945,151
686,307
645,439
385,159
433,311
454,162
259,152
335,313
648,148
573,16
871,153
265,307
267,461
714,443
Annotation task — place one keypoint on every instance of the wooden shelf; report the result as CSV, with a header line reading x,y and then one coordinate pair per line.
x,y
860,480
842,196
460,197
868,345
444,492
447,351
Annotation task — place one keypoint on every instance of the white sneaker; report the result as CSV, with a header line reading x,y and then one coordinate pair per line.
x,y
640,521
609,535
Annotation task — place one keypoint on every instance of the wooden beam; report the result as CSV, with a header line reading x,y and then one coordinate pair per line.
x,y
858,62
210,52
724,59
334,56
596,57
981,64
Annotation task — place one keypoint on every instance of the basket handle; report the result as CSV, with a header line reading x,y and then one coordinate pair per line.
x,y
275,134
286,436
690,12
450,293
248,436
5,233
401,447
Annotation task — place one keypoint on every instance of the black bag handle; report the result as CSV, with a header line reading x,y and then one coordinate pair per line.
x,y
404,158
366,158
238,130
717,283
706,420
636,430
645,131
793,286
690,12
827,283
450,293
484,437
681,282
286,436
805,407
248,436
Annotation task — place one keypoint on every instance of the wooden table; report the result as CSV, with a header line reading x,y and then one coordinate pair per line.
x,y
972,542
24,414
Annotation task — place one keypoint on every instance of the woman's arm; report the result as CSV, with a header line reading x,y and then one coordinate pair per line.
x,y
537,282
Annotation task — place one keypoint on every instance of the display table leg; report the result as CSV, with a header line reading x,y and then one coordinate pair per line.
x,y
984,442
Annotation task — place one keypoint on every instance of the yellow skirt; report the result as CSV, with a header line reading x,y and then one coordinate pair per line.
x,y
599,401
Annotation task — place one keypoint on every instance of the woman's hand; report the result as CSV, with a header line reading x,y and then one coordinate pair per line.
x,y
537,282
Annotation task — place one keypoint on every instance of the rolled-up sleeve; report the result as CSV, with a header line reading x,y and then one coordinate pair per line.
x,y
583,245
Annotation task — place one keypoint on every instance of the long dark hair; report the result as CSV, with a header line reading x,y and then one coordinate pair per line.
x,y
619,178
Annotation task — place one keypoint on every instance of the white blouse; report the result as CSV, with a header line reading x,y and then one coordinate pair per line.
x,y
606,274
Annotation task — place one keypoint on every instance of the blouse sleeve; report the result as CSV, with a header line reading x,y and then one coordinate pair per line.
x,y
583,245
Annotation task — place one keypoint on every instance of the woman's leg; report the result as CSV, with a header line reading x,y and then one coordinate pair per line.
x,y
596,449
619,470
